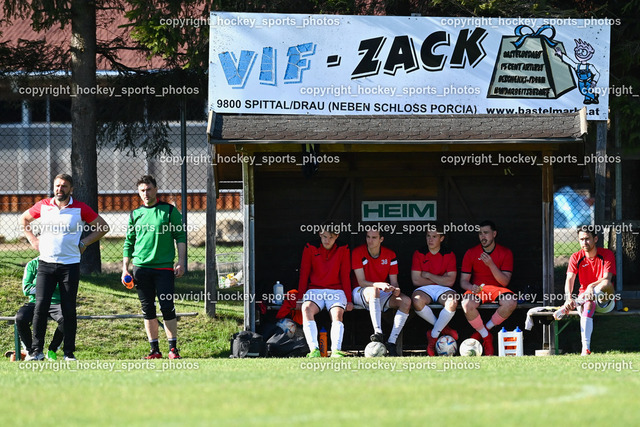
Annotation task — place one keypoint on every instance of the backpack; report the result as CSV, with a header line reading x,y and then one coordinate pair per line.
x,y
247,344
281,345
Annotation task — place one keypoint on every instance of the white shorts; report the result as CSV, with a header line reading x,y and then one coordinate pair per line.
x,y
434,291
326,298
358,299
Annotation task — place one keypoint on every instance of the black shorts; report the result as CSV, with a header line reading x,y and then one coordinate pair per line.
x,y
151,282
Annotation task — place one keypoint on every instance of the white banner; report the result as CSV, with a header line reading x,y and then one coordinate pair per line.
x,y
336,64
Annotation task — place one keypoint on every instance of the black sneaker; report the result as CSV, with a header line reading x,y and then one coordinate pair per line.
x,y
69,357
35,355
391,349
377,337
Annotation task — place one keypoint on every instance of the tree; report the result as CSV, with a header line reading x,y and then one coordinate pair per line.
x,y
46,14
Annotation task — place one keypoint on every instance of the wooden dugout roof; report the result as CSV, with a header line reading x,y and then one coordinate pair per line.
x,y
402,130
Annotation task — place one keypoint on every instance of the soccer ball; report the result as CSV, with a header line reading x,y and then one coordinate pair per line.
x,y
375,349
287,325
471,347
446,346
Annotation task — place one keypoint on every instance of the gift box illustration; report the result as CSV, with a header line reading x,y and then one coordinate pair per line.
x,y
528,66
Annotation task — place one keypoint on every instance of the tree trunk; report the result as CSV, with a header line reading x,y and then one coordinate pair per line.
x,y
83,116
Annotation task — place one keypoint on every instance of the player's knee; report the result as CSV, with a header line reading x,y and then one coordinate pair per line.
x,y
469,304
337,314
405,303
149,311
168,313
510,303
370,292
307,311
419,301
451,303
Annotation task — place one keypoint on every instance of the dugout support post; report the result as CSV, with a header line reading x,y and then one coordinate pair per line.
x,y
547,247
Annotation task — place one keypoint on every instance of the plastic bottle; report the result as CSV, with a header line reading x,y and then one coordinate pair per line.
x,y
559,314
510,343
322,342
127,281
278,293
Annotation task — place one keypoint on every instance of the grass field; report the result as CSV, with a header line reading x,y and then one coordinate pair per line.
x,y
111,385
599,390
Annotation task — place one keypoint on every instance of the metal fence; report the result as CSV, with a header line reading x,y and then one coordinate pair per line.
x,y
573,207
32,154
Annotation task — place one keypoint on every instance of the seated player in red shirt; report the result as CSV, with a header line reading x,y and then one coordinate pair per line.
x,y
595,268
486,272
374,264
433,273
325,283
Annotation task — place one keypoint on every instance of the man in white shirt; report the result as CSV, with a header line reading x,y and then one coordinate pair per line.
x,y
62,221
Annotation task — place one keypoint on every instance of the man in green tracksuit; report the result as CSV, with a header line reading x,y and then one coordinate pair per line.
x,y
149,246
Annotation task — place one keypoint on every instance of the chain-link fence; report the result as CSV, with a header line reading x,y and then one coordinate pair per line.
x,y
573,207
32,154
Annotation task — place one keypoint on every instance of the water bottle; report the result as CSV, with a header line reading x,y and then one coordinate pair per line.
x,y
278,293
322,342
127,281
559,314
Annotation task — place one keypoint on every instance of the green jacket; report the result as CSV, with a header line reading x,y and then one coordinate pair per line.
x,y
150,235
29,283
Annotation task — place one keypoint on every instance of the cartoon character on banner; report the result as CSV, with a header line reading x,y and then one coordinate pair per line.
x,y
585,72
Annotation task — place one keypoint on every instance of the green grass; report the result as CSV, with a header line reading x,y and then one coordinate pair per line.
x,y
352,391
111,385
565,248
198,336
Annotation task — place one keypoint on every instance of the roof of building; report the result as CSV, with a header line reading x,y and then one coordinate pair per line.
x,y
225,128
110,30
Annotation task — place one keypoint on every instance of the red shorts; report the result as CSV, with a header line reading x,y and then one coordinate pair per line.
x,y
490,293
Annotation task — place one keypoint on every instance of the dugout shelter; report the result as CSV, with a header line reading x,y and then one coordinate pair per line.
x,y
469,168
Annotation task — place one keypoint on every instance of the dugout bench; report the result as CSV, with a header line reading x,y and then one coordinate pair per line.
x,y
353,339
11,320
546,317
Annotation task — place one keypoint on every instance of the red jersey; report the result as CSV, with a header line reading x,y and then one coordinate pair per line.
x,y
591,270
61,229
325,269
442,262
375,269
480,272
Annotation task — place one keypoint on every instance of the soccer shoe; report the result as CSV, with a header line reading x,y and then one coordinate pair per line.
x,y
585,352
338,353
391,349
69,357
154,355
449,331
315,353
487,345
38,355
51,355
377,337
431,344
173,354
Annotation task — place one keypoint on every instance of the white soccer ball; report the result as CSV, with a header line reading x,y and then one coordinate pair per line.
x,y
375,349
471,347
287,325
446,346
